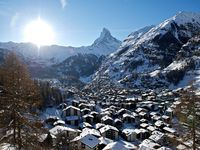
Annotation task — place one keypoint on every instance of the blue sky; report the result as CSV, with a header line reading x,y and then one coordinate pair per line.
x,y
79,22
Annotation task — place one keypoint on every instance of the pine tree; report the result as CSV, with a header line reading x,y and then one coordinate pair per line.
x,y
18,105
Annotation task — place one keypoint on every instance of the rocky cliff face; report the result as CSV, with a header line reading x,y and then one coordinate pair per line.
x,y
156,56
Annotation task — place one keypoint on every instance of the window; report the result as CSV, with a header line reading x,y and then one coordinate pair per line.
x,y
82,145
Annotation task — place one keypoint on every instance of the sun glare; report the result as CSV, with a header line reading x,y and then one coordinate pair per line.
x,y
39,32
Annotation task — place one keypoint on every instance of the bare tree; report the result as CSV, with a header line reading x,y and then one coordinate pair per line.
x,y
18,105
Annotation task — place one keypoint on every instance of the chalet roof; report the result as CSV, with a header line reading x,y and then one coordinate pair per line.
x,y
181,147
127,115
108,127
59,122
143,130
85,109
139,109
88,115
151,128
148,144
112,107
165,117
157,136
99,125
94,132
119,145
106,113
153,113
156,117
94,112
83,104
128,131
117,120
121,110
143,120
58,129
144,125
89,140
105,140
106,118
169,110
159,123
134,114
71,107
142,113
84,124
137,131
170,130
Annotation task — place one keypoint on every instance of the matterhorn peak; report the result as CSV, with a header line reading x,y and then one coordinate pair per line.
x,y
105,33
106,37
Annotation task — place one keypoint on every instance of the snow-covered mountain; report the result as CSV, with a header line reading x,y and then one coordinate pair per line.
x,y
151,57
103,45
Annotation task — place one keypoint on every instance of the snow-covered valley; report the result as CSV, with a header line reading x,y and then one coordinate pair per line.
x,y
111,95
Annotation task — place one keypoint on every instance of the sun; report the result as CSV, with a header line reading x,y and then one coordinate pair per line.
x,y
39,32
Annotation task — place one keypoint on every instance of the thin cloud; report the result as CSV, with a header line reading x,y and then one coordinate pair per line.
x,y
63,3
14,20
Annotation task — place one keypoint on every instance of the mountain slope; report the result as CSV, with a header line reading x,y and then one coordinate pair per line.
x,y
148,60
104,45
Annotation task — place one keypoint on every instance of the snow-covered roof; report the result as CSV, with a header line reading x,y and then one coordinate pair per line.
x,y
165,117
84,124
137,131
120,146
88,115
159,123
181,147
105,140
94,132
148,145
151,128
121,110
59,122
143,125
90,140
142,113
99,125
58,129
139,109
171,130
169,110
134,114
94,112
156,117
128,131
117,120
108,127
157,136
85,109
106,118
127,115
71,107
83,104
